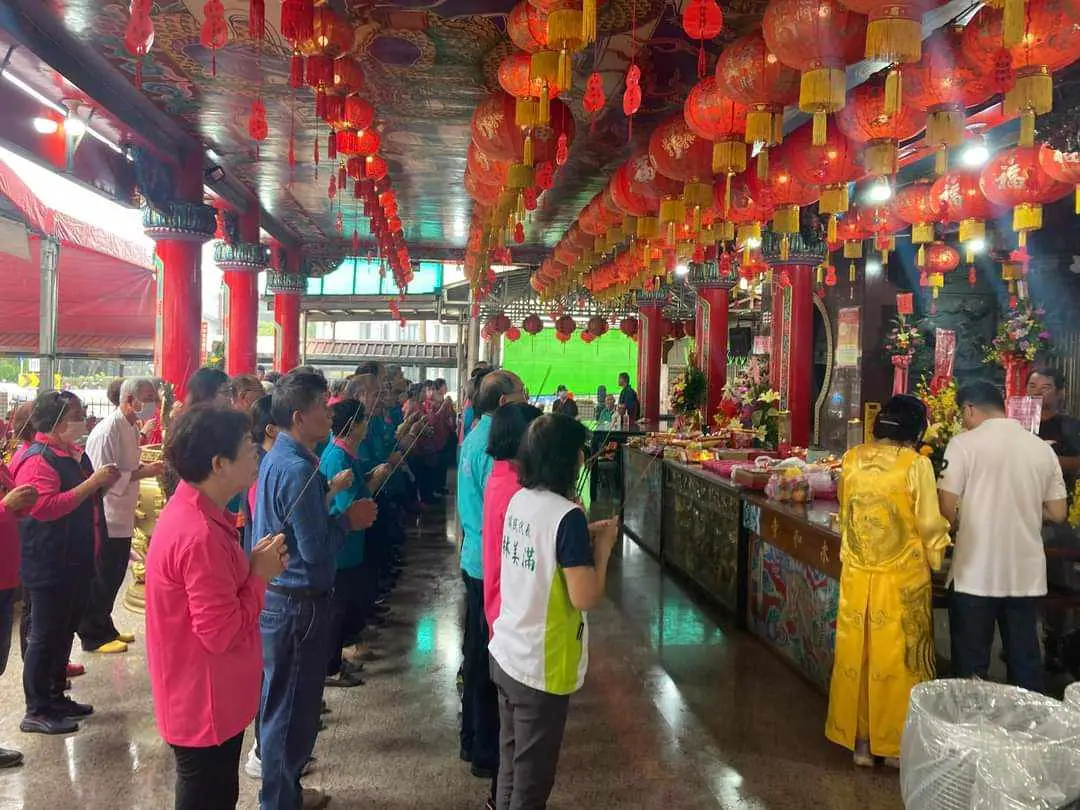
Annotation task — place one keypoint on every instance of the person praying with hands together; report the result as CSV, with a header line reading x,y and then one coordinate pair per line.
x,y
203,598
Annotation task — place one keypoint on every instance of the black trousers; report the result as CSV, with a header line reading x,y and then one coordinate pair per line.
x,y
480,701
96,627
971,630
208,778
354,592
58,609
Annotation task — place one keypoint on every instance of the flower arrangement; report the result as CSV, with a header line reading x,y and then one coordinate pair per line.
x,y
1021,335
943,416
688,392
904,339
749,404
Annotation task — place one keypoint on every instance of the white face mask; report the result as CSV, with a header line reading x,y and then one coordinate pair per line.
x,y
73,432
146,410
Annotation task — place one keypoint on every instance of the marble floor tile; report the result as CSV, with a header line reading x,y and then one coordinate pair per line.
x,y
680,710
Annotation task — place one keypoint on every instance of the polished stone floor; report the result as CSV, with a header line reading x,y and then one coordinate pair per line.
x,y
679,711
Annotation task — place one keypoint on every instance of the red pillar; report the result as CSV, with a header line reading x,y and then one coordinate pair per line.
x,y
712,342
792,363
180,228
650,352
287,288
241,263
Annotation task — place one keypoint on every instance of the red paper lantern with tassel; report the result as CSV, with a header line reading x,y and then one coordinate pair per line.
x,y
785,192
712,115
960,200
139,34
297,20
916,205
819,38
681,155
831,166
533,324
332,35
1062,166
894,29
750,73
867,121
1045,40
526,25
1014,178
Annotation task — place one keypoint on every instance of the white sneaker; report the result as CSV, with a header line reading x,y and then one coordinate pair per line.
x,y
314,799
253,766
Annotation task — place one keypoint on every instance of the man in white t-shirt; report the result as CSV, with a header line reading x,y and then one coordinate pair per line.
x,y
1009,482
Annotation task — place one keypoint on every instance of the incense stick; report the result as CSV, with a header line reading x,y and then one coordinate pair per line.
x,y
425,418
543,382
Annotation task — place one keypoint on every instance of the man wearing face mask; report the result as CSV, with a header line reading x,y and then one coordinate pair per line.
x,y
115,440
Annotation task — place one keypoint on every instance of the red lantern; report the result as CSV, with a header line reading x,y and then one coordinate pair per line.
x,y
214,33
917,206
750,73
526,25
348,75
784,191
941,258
332,35
139,34
712,115
587,336
562,337
959,199
532,324
943,86
831,165
1041,40
297,20
514,75
1014,177
257,126
881,224
629,326
819,38
865,121
894,29
513,333
482,193
681,155
1062,166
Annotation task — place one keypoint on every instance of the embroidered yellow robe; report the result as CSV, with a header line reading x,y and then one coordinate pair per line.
x,y
892,535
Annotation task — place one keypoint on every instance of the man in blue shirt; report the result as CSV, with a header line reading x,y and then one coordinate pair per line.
x,y
292,498
479,702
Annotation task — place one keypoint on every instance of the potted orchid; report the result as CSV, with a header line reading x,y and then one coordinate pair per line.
x,y
749,406
1021,338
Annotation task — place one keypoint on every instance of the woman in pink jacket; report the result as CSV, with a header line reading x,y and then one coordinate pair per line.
x,y
203,599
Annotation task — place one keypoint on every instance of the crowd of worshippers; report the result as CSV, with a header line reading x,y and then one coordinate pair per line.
x,y
269,566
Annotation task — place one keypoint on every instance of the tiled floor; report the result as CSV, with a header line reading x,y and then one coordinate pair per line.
x,y
678,712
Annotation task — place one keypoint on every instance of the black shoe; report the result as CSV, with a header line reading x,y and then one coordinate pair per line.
x,y
324,709
9,758
66,707
352,667
344,679
466,755
482,773
45,724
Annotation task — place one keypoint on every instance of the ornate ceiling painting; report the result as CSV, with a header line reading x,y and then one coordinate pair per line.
x,y
426,66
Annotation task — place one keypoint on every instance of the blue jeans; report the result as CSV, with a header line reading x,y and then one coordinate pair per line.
x,y
971,631
294,638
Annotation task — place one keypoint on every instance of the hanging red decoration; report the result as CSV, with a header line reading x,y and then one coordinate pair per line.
x,y
960,200
332,34
297,20
894,30
631,100
784,190
331,190
528,197
702,20
830,165
1062,166
593,100
917,206
526,25
941,258
545,175
562,337
519,233
1040,39
213,34
561,151
819,38
1014,178
532,324
139,34
867,120
257,126
750,73
256,19
712,115
512,334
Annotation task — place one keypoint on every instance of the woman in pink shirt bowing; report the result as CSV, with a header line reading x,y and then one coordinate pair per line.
x,y
508,425
203,599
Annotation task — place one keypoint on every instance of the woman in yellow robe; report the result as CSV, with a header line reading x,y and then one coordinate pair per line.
x,y
892,535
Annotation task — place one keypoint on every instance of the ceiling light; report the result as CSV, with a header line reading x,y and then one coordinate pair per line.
x,y
75,127
879,191
681,270
46,126
873,267
753,242
975,152
744,284
975,245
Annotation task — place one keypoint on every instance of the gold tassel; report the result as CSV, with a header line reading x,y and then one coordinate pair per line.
x,y
785,247
820,132
1027,128
671,233
1013,23
971,229
1033,90
564,70
746,254
778,128
879,157
830,230
543,115
945,127
725,231
834,199
786,219
853,249
588,21
885,257
892,88
922,232
920,256
820,274
763,164
698,194
727,195
1027,217
527,152
822,90
851,273
894,39
697,218
1076,201
941,161
759,125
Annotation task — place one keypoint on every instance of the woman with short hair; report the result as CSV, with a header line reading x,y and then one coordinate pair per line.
x,y
554,567
203,599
